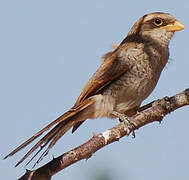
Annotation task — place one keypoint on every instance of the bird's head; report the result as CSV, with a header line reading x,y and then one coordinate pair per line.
x,y
156,26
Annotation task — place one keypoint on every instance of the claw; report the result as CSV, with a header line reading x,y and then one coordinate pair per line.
x,y
129,125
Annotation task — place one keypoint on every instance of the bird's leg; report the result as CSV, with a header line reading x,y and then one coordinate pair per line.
x,y
129,125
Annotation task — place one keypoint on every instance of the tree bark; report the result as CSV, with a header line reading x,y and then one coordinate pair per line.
x,y
147,114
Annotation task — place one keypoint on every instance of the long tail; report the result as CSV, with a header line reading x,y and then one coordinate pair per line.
x,y
63,124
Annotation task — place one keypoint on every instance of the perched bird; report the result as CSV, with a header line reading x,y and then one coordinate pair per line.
x,y
126,77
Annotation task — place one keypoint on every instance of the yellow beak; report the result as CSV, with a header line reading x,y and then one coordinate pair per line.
x,y
176,26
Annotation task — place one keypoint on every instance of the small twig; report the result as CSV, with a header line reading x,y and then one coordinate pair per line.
x,y
155,112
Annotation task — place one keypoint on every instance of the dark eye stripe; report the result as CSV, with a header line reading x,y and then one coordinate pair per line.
x,y
151,23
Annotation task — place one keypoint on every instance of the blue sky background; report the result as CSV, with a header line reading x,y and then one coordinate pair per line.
x,y
48,51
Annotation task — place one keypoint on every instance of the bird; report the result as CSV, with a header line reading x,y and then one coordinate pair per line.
x,y
126,77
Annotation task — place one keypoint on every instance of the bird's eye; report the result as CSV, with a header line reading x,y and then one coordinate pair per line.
x,y
158,22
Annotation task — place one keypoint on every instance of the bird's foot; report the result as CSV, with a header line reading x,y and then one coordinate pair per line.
x,y
129,125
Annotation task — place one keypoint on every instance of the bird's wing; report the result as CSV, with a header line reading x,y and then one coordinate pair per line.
x,y
112,68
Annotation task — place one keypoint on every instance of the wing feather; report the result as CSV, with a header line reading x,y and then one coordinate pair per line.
x,y
111,68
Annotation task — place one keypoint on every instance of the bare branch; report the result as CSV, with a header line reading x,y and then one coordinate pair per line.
x,y
155,112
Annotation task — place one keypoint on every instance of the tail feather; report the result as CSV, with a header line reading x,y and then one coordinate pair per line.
x,y
60,133
33,137
58,120
77,125
63,124
43,142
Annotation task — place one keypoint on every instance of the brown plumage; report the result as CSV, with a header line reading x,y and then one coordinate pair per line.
x,y
126,77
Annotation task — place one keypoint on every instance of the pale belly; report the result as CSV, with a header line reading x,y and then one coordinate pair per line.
x,y
128,91
125,94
